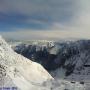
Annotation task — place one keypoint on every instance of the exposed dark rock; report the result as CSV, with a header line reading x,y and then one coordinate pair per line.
x,y
69,55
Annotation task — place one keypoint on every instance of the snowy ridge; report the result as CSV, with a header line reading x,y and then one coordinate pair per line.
x,y
17,71
21,71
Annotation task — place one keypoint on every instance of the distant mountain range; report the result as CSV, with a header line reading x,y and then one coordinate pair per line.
x,y
67,62
72,56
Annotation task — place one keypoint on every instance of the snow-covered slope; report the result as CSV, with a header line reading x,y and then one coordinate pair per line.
x,y
16,70
28,75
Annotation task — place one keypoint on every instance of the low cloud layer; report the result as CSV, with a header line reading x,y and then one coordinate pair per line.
x,y
48,35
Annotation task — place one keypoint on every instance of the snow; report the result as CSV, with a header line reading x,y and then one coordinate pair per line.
x,y
24,74
58,73
20,70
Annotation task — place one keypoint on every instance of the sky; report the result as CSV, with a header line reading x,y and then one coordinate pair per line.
x,y
45,19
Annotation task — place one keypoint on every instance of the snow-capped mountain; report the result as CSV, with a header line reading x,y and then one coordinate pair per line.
x,y
55,59
72,56
19,73
16,70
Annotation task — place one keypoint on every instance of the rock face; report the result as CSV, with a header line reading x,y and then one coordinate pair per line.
x,y
17,71
73,56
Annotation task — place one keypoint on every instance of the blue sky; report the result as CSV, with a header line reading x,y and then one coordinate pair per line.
x,y
49,17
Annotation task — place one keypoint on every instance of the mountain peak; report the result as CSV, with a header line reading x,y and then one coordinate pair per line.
x,y
18,70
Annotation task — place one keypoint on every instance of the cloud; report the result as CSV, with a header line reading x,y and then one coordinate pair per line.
x,y
48,35
45,19
44,11
82,19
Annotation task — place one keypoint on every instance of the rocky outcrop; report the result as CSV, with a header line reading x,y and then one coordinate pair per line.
x,y
73,56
